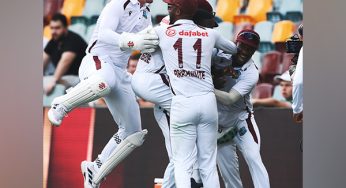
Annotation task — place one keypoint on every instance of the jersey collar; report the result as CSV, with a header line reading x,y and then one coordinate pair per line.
x,y
245,66
184,21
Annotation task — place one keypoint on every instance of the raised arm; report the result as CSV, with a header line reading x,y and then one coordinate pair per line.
x,y
109,21
225,45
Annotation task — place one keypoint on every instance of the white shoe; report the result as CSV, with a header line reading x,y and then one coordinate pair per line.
x,y
226,135
56,113
88,172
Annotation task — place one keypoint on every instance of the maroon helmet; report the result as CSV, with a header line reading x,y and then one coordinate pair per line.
x,y
205,11
249,37
188,7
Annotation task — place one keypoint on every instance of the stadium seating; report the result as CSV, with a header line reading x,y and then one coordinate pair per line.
x,y
226,29
258,9
262,90
271,66
51,7
79,25
265,30
227,9
72,8
290,5
256,57
158,8
47,33
282,31
93,7
265,47
240,27
286,61
274,16
294,16
276,4
242,18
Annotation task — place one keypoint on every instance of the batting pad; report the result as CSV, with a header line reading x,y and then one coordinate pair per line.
x,y
86,91
226,135
120,153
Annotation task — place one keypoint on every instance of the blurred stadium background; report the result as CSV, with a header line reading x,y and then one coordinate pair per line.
x,y
87,129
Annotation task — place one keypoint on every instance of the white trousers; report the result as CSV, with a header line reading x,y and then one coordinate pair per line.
x,y
248,141
153,88
194,124
121,101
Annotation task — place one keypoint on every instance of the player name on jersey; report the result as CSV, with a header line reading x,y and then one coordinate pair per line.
x,y
193,33
185,73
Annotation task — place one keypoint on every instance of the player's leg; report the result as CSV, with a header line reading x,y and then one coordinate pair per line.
x,y
248,141
227,161
153,88
125,111
207,140
97,79
162,118
183,139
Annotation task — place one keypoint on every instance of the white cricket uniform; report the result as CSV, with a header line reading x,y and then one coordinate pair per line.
x,y
297,93
105,58
187,50
240,115
150,82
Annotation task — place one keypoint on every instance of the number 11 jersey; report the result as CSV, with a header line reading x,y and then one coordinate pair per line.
x,y
187,49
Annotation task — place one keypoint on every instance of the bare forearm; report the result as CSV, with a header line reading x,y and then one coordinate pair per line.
x,y
64,65
227,98
270,102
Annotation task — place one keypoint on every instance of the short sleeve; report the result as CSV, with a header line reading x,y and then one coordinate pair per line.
x,y
72,45
247,80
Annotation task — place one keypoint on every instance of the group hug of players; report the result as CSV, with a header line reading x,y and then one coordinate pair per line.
x,y
199,81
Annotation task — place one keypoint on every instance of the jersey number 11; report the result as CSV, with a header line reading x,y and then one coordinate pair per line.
x,y
178,45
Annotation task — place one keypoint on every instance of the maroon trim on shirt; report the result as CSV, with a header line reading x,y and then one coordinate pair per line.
x,y
126,3
97,62
92,46
173,26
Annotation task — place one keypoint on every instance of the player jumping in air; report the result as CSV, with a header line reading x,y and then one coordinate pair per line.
x,y
121,28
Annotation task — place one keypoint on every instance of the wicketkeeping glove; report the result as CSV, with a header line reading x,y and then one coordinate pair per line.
x,y
146,41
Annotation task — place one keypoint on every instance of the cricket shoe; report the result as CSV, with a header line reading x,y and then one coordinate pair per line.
x,y
89,172
226,135
56,113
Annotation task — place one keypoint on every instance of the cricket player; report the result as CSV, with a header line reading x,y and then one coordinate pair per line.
x,y
236,111
150,82
187,49
121,28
